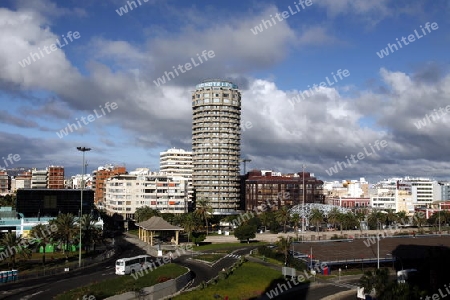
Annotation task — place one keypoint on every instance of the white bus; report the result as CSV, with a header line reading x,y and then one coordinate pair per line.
x,y
125,266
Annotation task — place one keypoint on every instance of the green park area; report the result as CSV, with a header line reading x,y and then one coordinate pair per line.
x,y
124,283
247,281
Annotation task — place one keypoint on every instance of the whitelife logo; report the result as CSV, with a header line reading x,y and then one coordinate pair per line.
x,y
266,24
360,156
188,66
124,9
11,158
90,118
432,117
310,92
411,38
49,49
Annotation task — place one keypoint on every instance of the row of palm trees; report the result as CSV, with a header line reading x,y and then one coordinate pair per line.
x,y
63,231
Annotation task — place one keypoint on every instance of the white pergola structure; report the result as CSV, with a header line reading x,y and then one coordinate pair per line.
x,y
148,228
304,211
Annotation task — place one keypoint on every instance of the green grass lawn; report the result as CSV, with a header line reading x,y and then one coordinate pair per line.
x,y
247,281
269,260
124,283
211,257
226,246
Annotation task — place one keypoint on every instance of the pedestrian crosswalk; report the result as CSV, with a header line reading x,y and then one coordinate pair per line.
x,y
233,256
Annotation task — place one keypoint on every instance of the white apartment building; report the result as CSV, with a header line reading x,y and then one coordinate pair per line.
x,y
384,199
39,179
125,193
75,181
405,194
178,162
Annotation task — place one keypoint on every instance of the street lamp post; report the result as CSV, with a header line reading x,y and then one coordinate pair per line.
x,y
378,245
82,149
303,199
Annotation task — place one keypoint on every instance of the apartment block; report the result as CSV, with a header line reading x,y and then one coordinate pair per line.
x,y
125,193
39,179
55,177
100,176
263,187
22,181
5,183
178,162
216,132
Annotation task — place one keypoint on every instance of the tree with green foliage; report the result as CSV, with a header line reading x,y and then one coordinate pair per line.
x,y
90,233
266,218
190,223
349,221
316,217
198,237
375,219
361,215
284,244
295,219
419,219
14,246
246,232
66,229
283,215
144,213
42,235
334,217
378,282
204,211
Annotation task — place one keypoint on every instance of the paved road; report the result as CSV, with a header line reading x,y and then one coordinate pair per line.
x,y
49,286
205,272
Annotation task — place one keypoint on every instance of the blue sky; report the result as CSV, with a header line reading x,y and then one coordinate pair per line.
x,y
118,58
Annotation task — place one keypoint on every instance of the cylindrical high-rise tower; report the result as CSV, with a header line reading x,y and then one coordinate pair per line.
x,y
216,132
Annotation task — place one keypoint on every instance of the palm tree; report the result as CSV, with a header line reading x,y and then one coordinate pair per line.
x,y
144,213
349,220
89,231
360,216
375,218
189,223
266,218
40,233
284,243
333,217
204,211
16,245
295,219
283,215
316,218
66,230
419,219
378,281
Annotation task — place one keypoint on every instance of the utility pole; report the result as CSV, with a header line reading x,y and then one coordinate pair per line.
x,y
378,247
303,199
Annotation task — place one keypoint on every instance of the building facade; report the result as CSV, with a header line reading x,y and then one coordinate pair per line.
x,y
125,193
55,177
50,178
5,183
216,134
100,176
178,162
39,179
50,203
267,187
22,181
